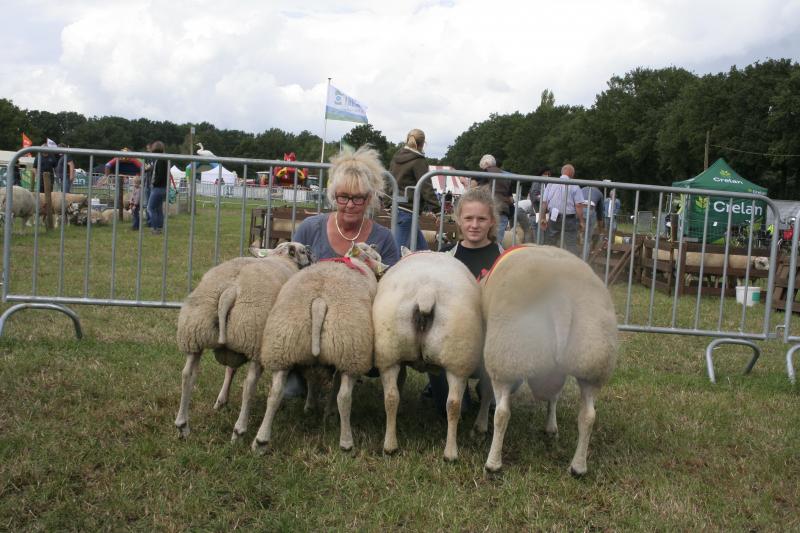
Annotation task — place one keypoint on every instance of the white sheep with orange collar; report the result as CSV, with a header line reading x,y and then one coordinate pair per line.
x,y
548,316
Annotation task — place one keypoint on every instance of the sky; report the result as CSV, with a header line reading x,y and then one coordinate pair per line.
x,y
438,65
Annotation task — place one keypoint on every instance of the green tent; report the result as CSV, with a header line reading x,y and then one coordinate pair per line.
x,y
720,176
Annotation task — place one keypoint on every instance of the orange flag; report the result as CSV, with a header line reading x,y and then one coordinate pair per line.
x,y
26,141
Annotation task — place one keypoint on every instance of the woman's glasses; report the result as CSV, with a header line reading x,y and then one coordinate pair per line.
x,y
342,199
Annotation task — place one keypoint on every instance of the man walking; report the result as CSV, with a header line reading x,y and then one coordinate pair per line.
x,y
563,205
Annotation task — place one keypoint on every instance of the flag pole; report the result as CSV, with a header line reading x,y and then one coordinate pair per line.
x,y
320,182
325,127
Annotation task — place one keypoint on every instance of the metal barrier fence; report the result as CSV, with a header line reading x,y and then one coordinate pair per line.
x,y
135,269
699,271
697,275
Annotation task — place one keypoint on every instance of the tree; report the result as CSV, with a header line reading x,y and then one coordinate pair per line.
x,y
13,122
366,134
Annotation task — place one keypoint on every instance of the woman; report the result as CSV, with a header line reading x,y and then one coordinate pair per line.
x,y
356,178
477,219
158,191
407,166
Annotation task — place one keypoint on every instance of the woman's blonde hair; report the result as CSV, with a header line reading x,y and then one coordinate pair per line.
x,y
415,139
356,171
483,196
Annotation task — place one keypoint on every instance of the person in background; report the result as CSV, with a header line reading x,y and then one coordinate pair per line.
x,y
407,166
136,198
563,205
593,203
44,163
158,192
610,212
535,196
502,192
477,217
65,170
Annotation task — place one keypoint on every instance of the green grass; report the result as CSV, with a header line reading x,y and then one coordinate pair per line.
x,y
87,441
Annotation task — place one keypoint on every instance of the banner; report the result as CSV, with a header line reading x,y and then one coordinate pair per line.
x,y
342,107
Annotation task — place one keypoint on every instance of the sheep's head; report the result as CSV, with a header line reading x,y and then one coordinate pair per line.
x,y
367,254
296,252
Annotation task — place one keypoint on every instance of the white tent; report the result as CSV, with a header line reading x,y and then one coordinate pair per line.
x,y
177,174
211,176
5,157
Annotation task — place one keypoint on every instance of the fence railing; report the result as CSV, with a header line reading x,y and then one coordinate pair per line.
x,y
681,279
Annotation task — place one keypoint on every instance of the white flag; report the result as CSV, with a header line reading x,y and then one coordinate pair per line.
x,y
342,107
51,143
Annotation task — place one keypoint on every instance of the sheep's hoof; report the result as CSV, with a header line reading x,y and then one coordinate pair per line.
x,y
346,446
219,405
390,451
577,474
259,447
492,469
450,458
183,430
477,433
236,435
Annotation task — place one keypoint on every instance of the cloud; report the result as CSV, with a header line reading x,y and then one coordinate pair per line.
x,y
436,65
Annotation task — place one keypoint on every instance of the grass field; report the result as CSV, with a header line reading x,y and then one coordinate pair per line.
x,y
87,441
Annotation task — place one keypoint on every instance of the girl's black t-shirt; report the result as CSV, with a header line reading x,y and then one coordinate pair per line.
x,y
476,259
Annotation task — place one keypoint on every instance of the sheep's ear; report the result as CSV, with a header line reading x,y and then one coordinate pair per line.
x,y
404,251
354,251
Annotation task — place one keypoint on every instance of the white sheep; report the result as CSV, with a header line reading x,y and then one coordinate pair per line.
x,y
244,308
322,317
23,205
198,325
548,316
427,312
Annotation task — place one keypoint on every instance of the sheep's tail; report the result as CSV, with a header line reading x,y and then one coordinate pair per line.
x,y
424,307
318,310
226,301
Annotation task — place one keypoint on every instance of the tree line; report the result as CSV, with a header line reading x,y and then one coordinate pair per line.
x,y
649,126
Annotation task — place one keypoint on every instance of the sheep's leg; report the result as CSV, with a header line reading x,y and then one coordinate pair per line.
x,y
222,397
248,391
502,413
312,392
391,401
345,403
586,416
454,396
551,426
330,404
481,426
273,402
188,379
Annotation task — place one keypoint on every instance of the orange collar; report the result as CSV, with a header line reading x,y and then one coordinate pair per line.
x,y
347,262
486,273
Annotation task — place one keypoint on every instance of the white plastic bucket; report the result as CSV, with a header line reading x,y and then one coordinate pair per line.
x,y
753,295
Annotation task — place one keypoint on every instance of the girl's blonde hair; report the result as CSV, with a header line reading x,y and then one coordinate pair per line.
x,y
357,171
483,196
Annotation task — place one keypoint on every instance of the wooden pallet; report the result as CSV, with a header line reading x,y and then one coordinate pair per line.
x,y
618,261
781,290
